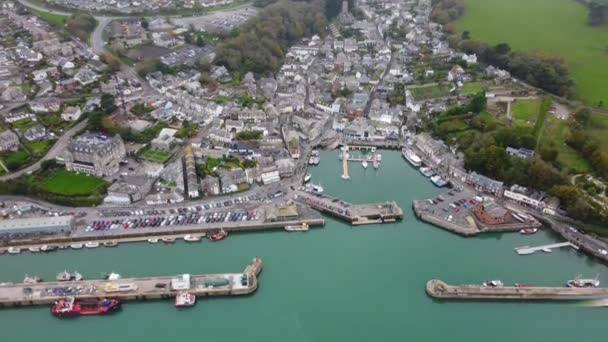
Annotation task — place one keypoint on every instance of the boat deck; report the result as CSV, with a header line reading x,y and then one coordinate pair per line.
x,y
147,288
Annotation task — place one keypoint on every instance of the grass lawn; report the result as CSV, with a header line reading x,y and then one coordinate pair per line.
x,y
69,183
55,19
23,124
38,148
14,160
526,110
429,92
554,134
470,88
599,129
558,26
157,156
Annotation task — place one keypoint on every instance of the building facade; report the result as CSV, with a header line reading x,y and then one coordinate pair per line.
x,y
95,154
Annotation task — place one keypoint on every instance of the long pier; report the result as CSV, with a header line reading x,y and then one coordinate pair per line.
x,y
149,288
355,214
438,289
525,250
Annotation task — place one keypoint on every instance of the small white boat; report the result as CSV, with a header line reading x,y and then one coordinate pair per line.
x,y
14,250
112,276
112,243
298,228
34,249
582,282
411,157
492,283
185,299
192,238
427,172
47,248
76,276
314,188
91,244
63,276
307,177
438,181
76,246
31,280
364,164
168,240
153,240
376,164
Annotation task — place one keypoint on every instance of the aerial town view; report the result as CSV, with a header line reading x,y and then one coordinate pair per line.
x,y
303,170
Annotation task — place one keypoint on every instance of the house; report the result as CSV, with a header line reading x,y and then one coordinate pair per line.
x,y
37,132
85,76
166,140
521,152
71,113
9,141
210,186
45,105
485,184
13,94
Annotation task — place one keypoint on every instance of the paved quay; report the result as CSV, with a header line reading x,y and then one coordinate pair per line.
x,y
355,214
149,288
439,289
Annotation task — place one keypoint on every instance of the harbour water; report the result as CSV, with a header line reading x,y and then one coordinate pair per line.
x,y
338,283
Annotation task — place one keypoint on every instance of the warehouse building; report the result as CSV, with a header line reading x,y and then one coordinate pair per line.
x,y
35,226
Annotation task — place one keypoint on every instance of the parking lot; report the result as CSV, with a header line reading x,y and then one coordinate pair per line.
x,y
452,206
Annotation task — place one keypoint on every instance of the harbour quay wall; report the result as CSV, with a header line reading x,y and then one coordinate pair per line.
x,y
14,295
439,289
441,223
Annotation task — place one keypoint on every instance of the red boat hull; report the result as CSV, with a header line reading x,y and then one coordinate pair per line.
x,y
81,308
218,236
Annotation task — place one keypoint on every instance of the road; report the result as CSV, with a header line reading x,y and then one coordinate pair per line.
x,y
59,147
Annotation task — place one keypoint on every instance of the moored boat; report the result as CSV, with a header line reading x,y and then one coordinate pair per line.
x,y
34,249
307,177
91,244
63,276
411,157
314,188
583,282
185,299
438,181
192,238
84,307
427,172
376,164
112,243
528,231
14,250
217,236
153,240
48,248
297,228
76,246
112,276
492,283
168,240
76,276
364,164
31,280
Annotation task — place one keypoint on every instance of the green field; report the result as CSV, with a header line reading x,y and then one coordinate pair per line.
x,y
554,26
526,110
38,148
157,156
599,129
63,182
470,88
553,135
15,160
429,92
54,19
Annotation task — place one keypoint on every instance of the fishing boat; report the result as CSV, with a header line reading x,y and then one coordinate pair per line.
x,y
185,299
427,172
314,188
528,231
76,246
153,240
63,276
492,283
76,276
14,250
307,177
34,249
91,244
364,164
411,157
583,282
217,236
438,181
192,238
168,240
112,276
70,307
31,280
297,228
112,243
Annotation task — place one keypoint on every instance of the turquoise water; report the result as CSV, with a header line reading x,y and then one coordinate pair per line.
x,y
335,283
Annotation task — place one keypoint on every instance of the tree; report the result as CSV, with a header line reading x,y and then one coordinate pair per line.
x,y
113,63
465,35
548,154
583,116
144,23
478,103
502,48
81,25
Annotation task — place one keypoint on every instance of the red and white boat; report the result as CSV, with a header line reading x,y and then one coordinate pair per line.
x,y
185,299
70,307
582,282
218,236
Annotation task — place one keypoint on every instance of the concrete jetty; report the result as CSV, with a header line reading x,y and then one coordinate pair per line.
x,y
355,214
149,288
438,289
525,250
